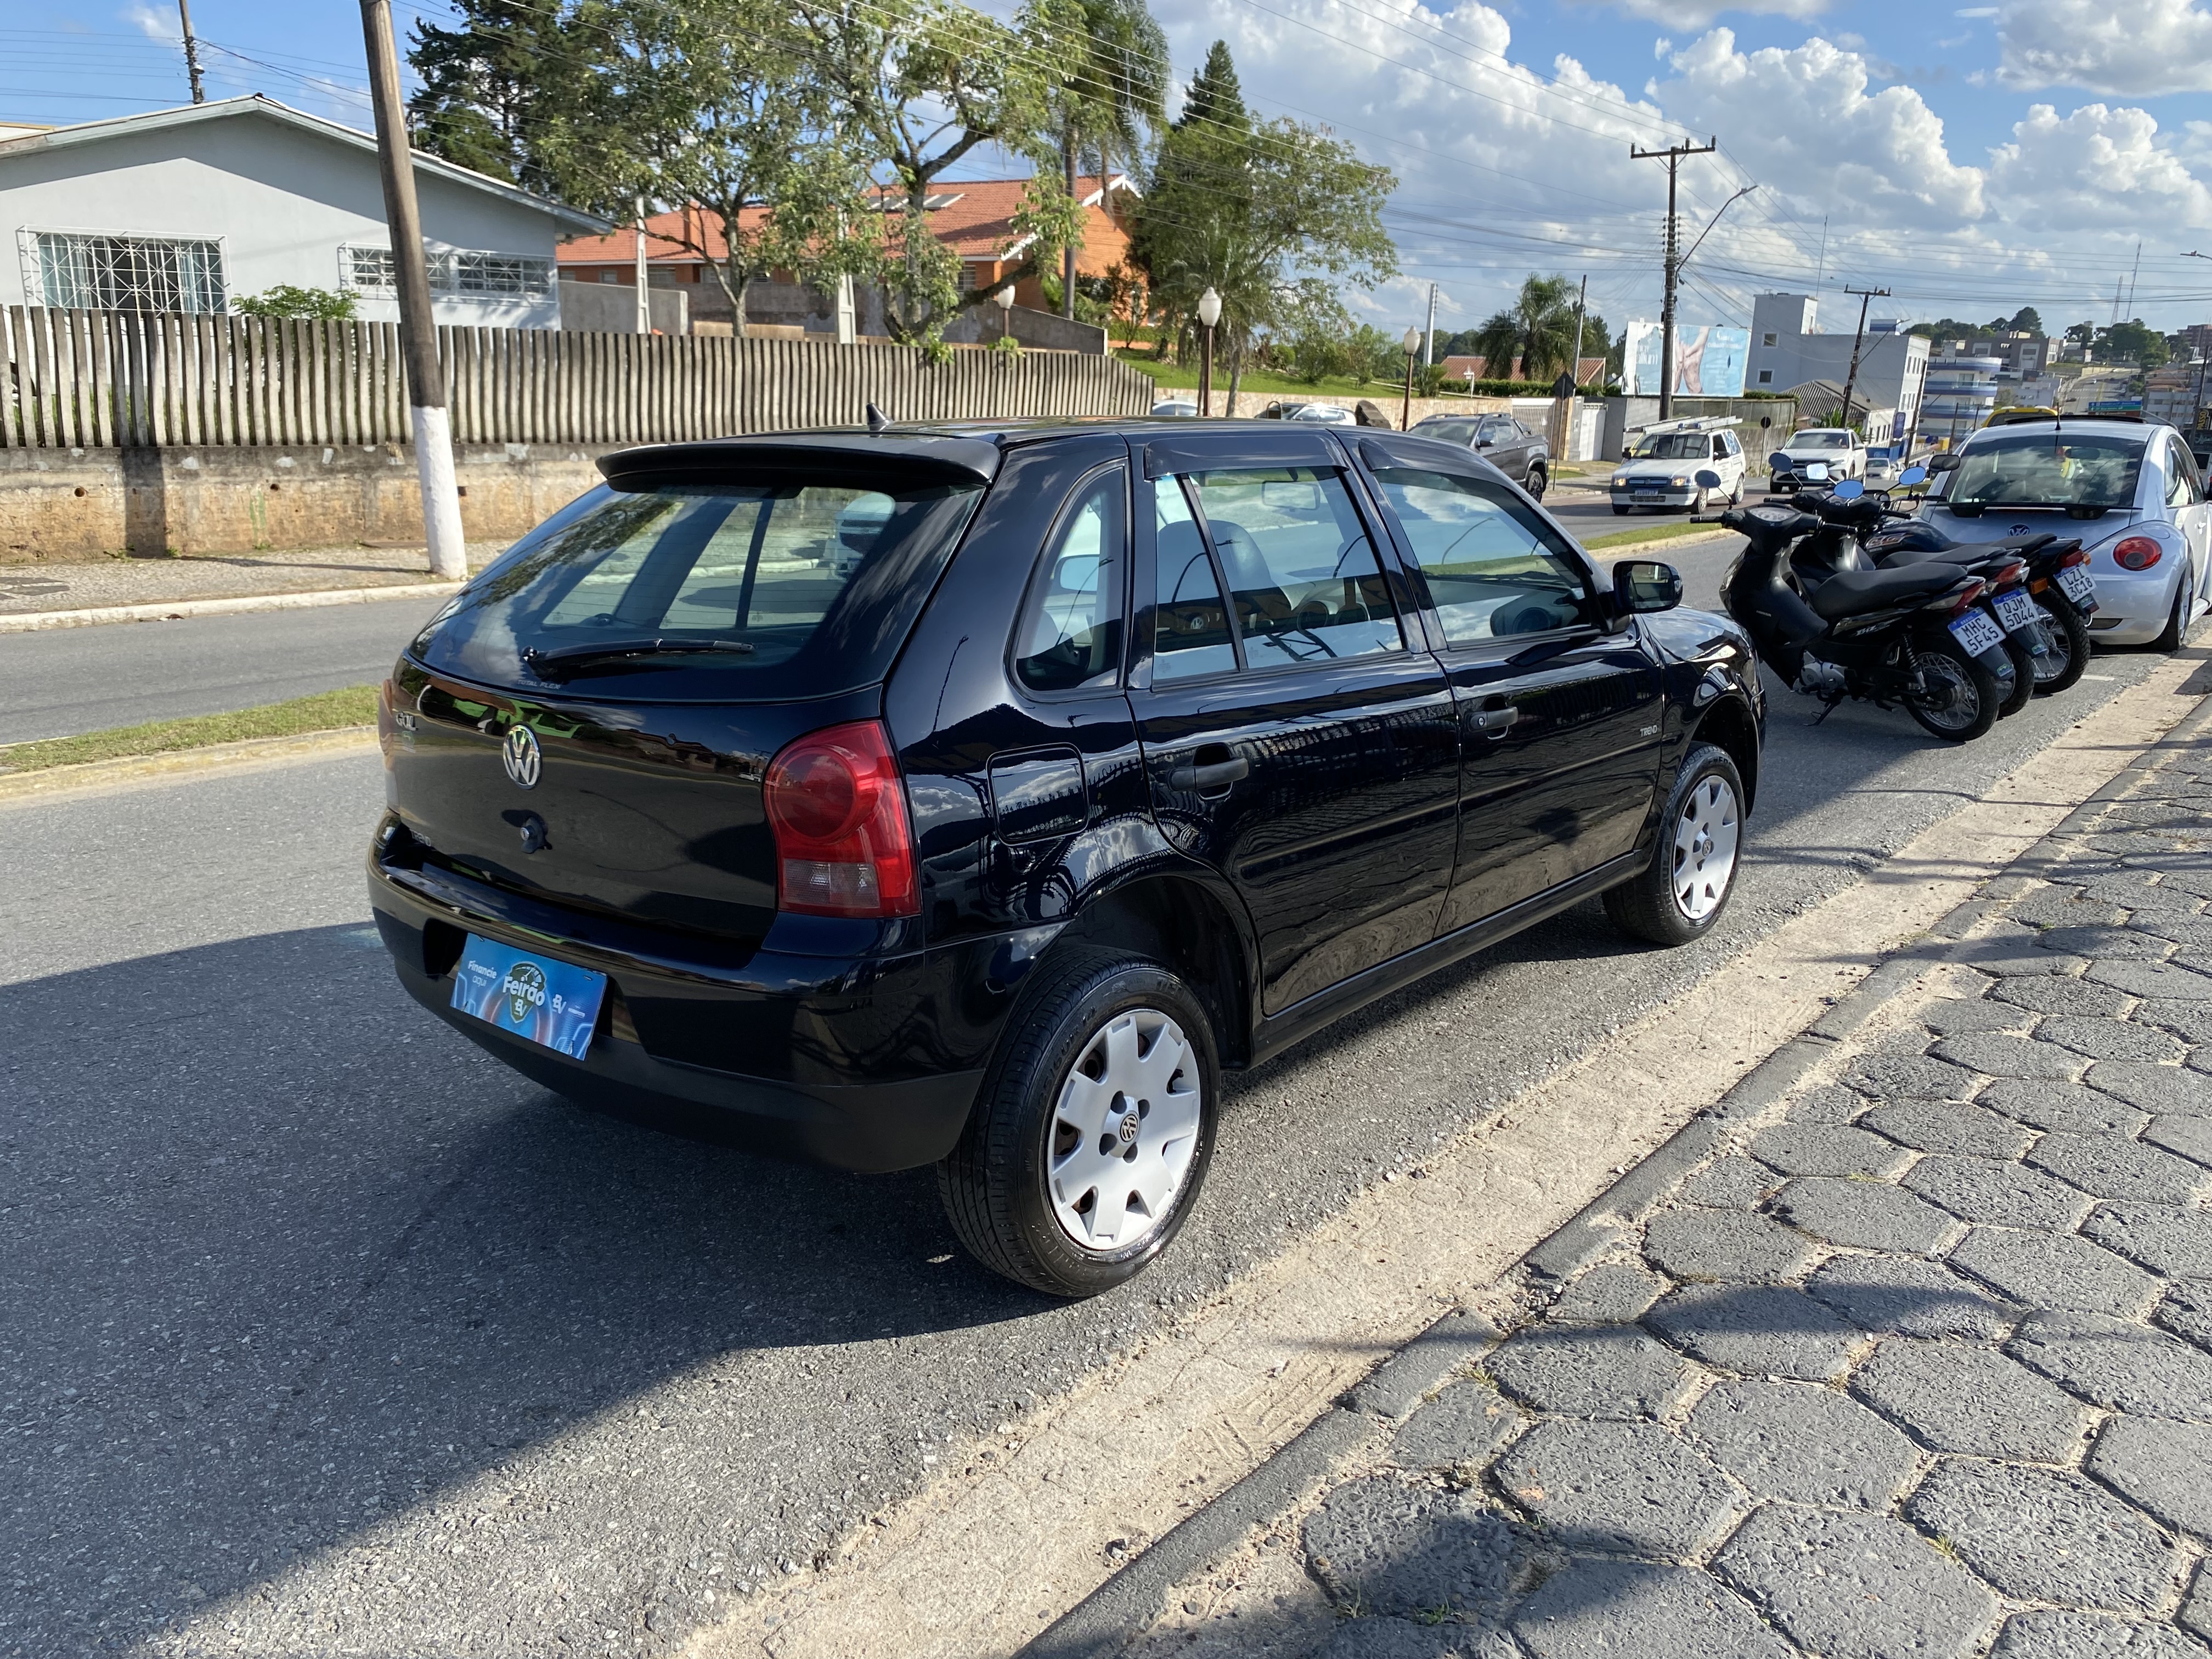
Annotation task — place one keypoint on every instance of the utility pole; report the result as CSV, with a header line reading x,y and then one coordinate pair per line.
x,y
418,334
1581,308
644,277
1429,339
1867,296
1672,155
191,51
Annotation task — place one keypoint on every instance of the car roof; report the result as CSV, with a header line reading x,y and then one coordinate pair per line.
x,y
2135,430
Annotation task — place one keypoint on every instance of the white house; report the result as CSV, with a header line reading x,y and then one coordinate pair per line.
x,y
187,210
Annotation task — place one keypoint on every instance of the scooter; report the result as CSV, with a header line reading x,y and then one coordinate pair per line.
x,y
1911,637
1849,508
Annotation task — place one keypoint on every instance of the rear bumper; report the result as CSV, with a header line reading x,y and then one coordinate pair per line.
x,y
863,1063
2132,606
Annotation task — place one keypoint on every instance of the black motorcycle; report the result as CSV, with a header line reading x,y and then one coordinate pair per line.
x,y
1912,636
1849,511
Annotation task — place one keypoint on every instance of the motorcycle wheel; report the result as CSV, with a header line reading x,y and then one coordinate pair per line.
x,y
2016,694
1960,702
2066,636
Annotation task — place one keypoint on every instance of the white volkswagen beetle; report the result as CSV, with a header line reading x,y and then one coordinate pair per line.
x,y
2129,489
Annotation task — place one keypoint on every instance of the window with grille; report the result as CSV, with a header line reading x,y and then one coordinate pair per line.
x,y
86,271
470,274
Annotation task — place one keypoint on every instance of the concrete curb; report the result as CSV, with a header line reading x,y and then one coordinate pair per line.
x,y
211,758
36,622
1105,1623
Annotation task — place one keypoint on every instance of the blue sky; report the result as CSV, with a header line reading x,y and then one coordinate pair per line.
x,y
1971,158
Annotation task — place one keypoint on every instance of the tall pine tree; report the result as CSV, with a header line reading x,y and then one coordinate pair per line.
x,y
488,85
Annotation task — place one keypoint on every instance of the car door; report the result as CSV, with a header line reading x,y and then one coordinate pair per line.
x,y
1498,441
1560,720
2185,504
1300,739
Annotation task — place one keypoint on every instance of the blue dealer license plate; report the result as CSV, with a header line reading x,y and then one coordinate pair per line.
x,y
529,995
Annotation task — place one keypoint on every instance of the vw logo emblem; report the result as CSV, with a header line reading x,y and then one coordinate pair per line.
x,y
2019,530
519,754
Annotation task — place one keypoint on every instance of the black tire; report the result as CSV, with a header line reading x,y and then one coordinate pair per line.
x,y
2066,632
1969,705
2021,687
1736,497
1538,480
2176,620
1619,510
996,1184
1651,906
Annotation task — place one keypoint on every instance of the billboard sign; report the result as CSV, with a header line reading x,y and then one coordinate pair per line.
x,y
1708,362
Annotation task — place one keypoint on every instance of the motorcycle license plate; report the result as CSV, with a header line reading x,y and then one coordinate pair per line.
x,y
2076,582
2016,610
1976,633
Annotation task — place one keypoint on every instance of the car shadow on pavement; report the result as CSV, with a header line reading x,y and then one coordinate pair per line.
x,y
284,1255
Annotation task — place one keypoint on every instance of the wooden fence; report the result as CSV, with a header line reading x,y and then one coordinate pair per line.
x,y
105,380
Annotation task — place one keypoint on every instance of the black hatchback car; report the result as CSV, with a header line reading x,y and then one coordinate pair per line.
x,y
974,795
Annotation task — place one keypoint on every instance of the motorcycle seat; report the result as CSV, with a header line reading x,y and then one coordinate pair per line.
x,y
1848,592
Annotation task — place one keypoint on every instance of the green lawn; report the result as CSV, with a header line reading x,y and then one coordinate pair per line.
x,y
326,711
1646,532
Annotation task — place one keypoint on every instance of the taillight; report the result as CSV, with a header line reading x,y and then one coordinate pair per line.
x,y
843,847
2006,575
2135,553
2079,556
1955,603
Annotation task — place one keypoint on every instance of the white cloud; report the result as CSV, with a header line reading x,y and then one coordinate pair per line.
x,y
155,25
2135,48
1699,14
2096,168
1979,11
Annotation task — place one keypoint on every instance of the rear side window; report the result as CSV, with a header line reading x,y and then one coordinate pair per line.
x,y
1304,584
1070,634
1494,569
737,591
1190,624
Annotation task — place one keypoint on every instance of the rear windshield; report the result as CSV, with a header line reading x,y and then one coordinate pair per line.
x,y
2047,469
710,593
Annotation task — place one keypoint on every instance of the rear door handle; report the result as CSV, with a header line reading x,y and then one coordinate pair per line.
x,y
1213,776
1495,718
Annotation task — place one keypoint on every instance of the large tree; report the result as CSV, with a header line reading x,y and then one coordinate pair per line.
x,y
1115,92
1538,328
920,85
491,83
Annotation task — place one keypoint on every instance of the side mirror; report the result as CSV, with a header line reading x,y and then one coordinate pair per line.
x,y
1947,462
1911,475
1486,442
1707,479
1849,490
1641,585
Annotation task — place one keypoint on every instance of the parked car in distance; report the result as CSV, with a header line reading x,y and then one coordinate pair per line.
x,y
2130,489
1521,454
1128,755
1182,408
1838,449
1662,467
1323,415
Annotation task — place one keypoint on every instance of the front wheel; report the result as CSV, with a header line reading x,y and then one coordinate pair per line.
x,y
1952,695
1681,896
1619,510
1538,478
2065,658
1091,1136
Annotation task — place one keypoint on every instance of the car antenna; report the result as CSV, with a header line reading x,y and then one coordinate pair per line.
x,y
879,422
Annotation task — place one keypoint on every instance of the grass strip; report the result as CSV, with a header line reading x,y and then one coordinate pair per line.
x,y
1646,532
324,711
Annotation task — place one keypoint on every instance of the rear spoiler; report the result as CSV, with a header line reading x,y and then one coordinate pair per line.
x,y
857,456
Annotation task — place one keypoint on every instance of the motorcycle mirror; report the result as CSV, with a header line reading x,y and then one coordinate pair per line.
x,y
1912,475
1849,490
1777,462
1707,479
1816,471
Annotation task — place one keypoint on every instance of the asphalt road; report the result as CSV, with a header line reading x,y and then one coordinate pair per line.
x,y
320,1330
67,680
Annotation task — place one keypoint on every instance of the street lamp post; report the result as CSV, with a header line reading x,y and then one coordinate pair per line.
x,y
1413,344
1005,300
1209,313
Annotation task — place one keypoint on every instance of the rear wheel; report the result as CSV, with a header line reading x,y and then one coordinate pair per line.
x,y
1681,896
2013,693
2176,621
1091,1136
2066,646
1952,695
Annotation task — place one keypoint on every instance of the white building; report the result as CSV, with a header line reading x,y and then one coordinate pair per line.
x,y
187,210
1962,392
1788,349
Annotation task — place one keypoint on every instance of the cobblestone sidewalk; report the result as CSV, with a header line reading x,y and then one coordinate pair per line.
x,y
1921,1363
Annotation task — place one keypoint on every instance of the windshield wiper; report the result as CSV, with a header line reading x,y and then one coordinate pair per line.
x,y
562,661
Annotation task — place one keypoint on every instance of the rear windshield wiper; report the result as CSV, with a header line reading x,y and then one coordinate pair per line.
x,y
561,661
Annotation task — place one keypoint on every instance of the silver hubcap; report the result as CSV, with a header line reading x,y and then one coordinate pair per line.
x,y
1704,848
1124,1131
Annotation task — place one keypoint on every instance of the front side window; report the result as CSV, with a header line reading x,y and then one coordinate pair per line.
x,y
1070,634
1495,570
129,273
1304,583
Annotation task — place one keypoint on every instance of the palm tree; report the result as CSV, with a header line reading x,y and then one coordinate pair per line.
x,y
1119,85
1538,328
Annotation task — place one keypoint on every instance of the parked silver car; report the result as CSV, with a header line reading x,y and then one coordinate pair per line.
x,y
2130,489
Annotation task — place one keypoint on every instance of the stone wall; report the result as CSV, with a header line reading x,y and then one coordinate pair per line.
x,y
58,506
